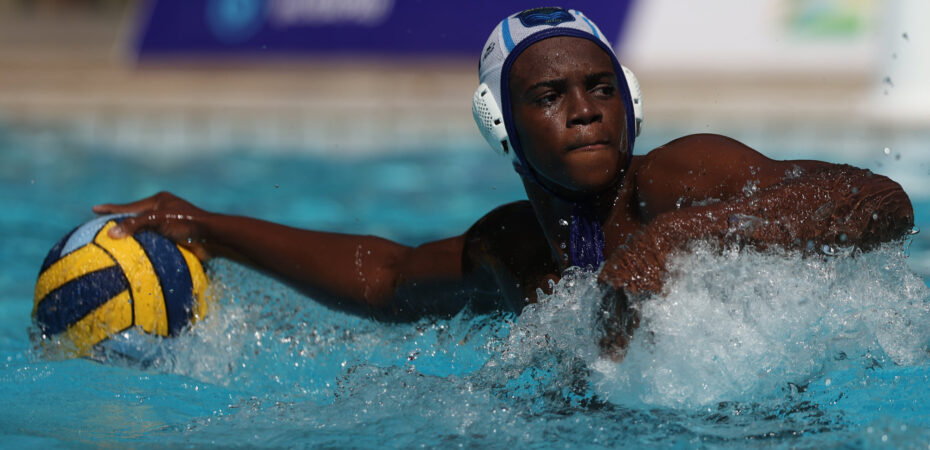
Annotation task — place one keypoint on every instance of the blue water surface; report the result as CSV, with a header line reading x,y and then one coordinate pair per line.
x,y
744,348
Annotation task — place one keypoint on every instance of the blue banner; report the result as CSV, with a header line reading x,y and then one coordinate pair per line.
x,y
411,27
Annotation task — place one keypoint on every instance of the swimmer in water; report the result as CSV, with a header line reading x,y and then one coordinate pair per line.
x,y
554,98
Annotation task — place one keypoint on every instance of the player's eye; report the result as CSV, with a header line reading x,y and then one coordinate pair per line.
x,y
547,98
604,90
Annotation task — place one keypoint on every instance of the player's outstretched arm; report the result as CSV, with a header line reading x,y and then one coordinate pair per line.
x,y
366,275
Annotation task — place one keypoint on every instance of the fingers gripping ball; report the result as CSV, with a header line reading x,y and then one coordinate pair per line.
x,y
92,286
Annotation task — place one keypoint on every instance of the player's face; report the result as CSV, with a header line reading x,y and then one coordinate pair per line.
x,y
569,115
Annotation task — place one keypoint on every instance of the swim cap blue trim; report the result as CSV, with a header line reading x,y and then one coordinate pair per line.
x,y
593,28
508,39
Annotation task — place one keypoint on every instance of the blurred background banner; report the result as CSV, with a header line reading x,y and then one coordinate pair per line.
x,y
417,27
841,80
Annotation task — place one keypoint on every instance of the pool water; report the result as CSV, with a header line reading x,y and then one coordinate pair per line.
x,y
745,348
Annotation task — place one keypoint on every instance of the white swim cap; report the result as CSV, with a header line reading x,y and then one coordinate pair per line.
x,y
491,104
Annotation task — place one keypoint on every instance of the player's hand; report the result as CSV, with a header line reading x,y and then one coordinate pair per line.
x,y
165,213
639,267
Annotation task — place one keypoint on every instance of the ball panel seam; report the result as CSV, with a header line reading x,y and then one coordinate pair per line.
x,y
114,316
78,298
148,298
199,282
72,266
174,277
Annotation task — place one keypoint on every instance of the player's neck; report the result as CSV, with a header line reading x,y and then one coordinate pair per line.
x,y
554,214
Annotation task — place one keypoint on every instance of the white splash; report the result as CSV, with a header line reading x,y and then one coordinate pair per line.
x,y
742,325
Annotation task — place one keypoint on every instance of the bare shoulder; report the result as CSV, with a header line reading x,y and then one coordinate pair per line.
x,y
704,167
495,234
519,210
508,241
707,152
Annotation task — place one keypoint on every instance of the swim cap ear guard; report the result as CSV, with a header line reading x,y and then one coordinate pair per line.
x,y
491,102
490,120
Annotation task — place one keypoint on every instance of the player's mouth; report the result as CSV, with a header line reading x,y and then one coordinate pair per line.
x,y
588,146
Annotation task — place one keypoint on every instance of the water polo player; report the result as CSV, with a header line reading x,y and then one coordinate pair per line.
x,y
554,98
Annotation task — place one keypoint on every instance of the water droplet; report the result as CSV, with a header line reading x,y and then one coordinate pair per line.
x,y
887,151
828,382
750,188
915,230
905,36
562,246
563,222
828,250
843,237
897,156
874,216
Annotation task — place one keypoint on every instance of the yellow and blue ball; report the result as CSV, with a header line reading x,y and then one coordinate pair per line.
x,y
91,286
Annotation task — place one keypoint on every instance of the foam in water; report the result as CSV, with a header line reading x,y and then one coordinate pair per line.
x,y
545,359
744,325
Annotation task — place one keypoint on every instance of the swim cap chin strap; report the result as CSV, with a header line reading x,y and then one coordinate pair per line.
x,y
493,113
587,238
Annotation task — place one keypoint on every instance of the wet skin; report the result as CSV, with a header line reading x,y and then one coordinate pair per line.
x,y
569,113
569,116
